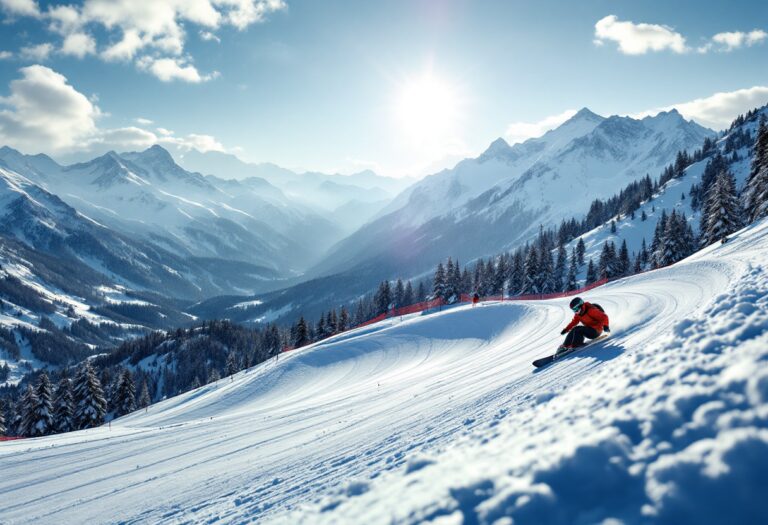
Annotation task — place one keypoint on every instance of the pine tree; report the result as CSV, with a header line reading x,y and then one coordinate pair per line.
x,y
613,227
421,292
531,273
658,238
606,264
125,396
438,283
722,212
43,413
399,293
63,406
571,283
560,269
643,256
302,338
383,299
3,428
359,314
623,265
144,398
90,404
546,272
27,406
321,331
643,216
344,318
591,272
756,189
517,273
580,250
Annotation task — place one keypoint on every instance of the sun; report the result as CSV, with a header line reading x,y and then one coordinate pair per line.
x,y
426,107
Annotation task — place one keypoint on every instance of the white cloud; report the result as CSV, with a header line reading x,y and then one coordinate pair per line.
x,y
638,39
21,7
521,131
39,52
169,69
79,45
44,112
141,28
5,55
735,39
718,111
208,36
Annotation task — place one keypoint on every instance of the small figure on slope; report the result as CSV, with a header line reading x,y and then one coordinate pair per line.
x,y
593,319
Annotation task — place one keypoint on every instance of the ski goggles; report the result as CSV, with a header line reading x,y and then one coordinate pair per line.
x,y
577,307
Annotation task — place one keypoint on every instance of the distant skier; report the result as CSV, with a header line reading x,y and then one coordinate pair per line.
x,y
475,299
594,321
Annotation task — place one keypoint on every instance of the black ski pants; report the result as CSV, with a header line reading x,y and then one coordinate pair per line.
x,y
576,336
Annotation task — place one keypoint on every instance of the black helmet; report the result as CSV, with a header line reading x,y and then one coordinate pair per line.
x,y
576,304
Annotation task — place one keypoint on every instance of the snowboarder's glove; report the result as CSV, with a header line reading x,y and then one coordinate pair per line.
x,y
565,331
607,328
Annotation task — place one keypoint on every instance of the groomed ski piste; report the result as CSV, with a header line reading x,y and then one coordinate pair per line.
x,y
442,419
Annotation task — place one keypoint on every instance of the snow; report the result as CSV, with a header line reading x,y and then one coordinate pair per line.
x,y
246,304
442,419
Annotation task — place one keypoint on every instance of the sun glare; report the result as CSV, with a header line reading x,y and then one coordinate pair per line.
x,y
426,107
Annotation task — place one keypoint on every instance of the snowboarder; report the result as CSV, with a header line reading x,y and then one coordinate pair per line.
x,y
594,322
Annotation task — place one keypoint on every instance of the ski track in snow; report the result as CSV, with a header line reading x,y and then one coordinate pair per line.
x,y
442,419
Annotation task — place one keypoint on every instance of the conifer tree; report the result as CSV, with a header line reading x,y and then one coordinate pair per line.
x,y
580,249
63,407
144,398
438,283
756,189
231,367
43,411
408,298
399,293
722,213
531,273
3,428
546,281
623,262
421,292
90,404
570,283
591,272
560,269
27,406
321,331
382,299
517,273
344,318
302,338
125,396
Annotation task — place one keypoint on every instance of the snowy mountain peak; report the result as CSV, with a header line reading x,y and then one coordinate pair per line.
x,y
586,114
498,147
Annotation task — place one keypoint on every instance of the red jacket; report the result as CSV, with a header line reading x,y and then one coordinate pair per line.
x,y
590,316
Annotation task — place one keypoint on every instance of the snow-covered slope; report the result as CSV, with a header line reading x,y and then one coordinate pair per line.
x,y
499,199
675,195
442,419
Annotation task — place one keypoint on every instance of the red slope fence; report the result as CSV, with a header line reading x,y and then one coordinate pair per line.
x,y
438,303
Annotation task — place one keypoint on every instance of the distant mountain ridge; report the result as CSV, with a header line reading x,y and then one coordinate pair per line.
x,y
500,197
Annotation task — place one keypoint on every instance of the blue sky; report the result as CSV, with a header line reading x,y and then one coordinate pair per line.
x,y
403,87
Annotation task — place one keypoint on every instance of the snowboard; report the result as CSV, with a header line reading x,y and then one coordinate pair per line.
x,y
543,361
